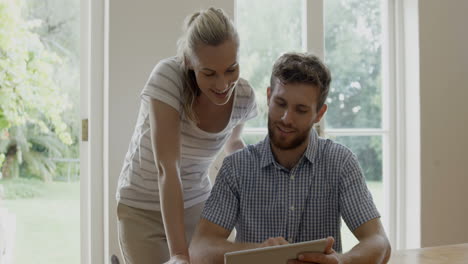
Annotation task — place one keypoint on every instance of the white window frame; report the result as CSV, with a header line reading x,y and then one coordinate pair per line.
x,y
93,159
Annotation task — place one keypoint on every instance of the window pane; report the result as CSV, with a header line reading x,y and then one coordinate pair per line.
x,y
279,31
39,131
368,149
353,53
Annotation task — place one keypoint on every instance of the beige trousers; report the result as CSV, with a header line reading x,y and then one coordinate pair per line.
x,y
141,233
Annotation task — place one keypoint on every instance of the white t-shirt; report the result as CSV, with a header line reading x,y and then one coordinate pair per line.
x,y
138,181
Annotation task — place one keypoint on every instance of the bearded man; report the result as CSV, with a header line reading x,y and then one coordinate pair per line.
x,y
293,186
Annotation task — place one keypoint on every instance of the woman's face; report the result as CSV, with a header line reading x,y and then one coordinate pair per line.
x,y
217,71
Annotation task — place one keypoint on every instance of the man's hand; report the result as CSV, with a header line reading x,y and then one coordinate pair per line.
x,y
274,241
328,257
178,259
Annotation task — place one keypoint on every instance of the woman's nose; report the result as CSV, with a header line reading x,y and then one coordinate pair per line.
x,y
222,84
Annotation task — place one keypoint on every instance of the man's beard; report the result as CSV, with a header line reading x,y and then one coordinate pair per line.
x,y
277,142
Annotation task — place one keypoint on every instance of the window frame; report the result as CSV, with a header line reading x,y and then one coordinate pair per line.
x,y
94,204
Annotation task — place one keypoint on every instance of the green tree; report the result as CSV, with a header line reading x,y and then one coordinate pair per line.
x,y
59,31
31,103
353,53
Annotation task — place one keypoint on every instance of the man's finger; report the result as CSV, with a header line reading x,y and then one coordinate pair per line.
x,y
329,247
311,257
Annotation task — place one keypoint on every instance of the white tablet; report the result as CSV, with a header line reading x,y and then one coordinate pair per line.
x,y
274,254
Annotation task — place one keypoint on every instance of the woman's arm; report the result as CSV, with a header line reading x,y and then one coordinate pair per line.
x,y
165,138
235,141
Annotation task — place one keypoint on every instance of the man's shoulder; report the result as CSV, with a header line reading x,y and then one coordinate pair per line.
x,y
332,151
250,154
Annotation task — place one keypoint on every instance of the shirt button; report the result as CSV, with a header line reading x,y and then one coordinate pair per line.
x,y
292,177
290,240
291,207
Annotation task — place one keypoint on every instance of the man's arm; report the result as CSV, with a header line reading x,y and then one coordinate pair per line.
x,y
373,247
209,243
360,214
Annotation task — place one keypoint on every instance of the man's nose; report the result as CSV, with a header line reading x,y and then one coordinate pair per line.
x,y
287,117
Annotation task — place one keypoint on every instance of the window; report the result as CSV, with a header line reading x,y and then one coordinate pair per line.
x,y
358,115
39,128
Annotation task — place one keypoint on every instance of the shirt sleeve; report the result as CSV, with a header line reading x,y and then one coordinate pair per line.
x,y
355,199
165,84
252,111
222,207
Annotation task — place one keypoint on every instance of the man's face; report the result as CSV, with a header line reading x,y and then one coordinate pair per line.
x,y
292,111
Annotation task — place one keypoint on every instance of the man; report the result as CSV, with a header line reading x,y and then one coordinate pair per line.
x,y
293,186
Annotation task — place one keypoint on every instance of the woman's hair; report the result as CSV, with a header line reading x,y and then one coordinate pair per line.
x,y
206,27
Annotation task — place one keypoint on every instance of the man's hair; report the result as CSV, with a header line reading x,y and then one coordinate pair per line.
x,y
305,68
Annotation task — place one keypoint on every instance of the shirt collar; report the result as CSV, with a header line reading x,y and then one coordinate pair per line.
x,y
265,150
311,152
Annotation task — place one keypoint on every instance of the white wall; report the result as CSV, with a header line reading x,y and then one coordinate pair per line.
x,y
443,54
140,34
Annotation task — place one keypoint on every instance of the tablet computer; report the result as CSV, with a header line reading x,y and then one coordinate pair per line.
x,y
274,254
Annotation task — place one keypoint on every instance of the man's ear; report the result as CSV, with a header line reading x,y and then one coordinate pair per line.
x,y
321,113
268,95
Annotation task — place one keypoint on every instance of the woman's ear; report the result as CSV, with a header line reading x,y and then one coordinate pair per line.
x,y
188,63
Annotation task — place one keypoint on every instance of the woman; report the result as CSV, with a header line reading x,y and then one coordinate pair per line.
x,y
192,106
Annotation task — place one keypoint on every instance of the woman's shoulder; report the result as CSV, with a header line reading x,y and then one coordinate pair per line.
x,y
169,66
165,83
244,89
245,100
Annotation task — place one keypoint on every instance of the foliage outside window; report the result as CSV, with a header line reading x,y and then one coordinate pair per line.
x,y
39,128
34,108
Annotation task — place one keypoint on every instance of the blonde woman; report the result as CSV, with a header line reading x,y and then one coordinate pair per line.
x,y
192,106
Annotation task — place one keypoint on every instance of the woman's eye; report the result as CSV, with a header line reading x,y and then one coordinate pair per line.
x,y
209,74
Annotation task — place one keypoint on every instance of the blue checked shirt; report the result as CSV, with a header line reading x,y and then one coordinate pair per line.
x,y
262,199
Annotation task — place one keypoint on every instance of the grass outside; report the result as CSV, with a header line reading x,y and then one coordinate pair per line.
x,y
48,226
